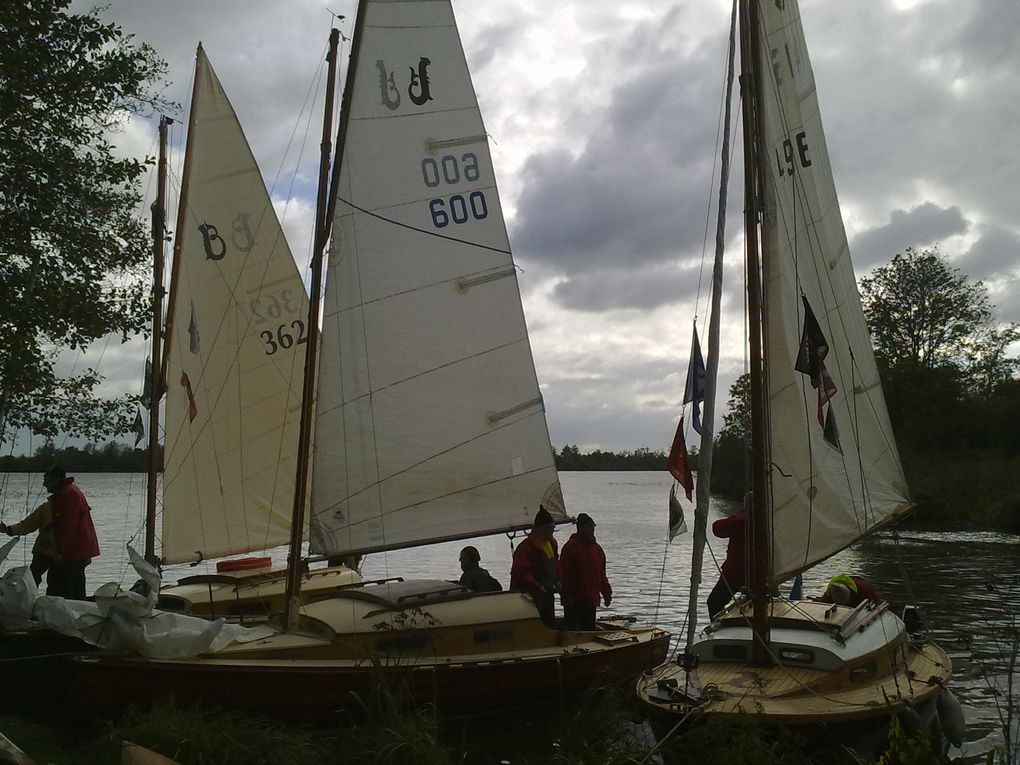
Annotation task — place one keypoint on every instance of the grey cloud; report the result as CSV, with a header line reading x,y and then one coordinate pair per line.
x,y
1007,300
920,226
641,289
637,190
995,253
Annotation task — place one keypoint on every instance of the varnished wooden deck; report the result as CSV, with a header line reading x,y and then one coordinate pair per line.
x,y
790,695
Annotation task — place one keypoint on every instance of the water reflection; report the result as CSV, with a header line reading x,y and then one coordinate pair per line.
x,y
962,580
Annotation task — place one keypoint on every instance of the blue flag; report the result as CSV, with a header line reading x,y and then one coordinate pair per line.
x,y
694,390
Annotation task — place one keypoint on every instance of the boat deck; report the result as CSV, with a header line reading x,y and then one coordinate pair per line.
x,y
791,695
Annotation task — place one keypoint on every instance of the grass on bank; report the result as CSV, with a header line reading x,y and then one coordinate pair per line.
x,y
603,730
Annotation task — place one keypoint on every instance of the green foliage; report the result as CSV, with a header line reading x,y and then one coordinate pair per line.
x,y
729,462
112,457
745,743
926,314
72,251
201,736
570,458
903,749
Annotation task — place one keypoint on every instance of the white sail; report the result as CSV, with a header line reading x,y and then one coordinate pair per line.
x,y
429,420
235,348
824,496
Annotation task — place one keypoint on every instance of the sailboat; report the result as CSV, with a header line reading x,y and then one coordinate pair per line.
x,y
428,423
236,330
825,468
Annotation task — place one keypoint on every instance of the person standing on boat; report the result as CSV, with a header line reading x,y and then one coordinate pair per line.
x,y
535,566
583,574
846,590
67,540
733,574
474,577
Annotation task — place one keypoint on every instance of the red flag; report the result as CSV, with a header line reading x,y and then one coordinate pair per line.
x,y
678,464
192,406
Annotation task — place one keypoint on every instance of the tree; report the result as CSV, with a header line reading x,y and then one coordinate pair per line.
x,y
926,314
73,252
729,463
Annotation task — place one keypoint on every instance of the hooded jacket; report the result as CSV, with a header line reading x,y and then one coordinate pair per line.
x,y
583,570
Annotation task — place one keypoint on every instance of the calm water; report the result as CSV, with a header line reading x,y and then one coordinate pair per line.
x,y
946,573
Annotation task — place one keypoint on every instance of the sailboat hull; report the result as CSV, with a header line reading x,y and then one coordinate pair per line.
x,y
847,671
463,653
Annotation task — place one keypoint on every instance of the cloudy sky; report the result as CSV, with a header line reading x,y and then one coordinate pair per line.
x,y
603,117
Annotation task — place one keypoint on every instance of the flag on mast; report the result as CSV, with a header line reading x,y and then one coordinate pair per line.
x,y
679,465
694,390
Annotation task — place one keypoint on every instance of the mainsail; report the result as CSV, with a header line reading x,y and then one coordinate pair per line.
x,y
234,348
429,420
835,471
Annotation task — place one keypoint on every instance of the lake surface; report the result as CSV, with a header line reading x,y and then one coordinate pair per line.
x,y
964,581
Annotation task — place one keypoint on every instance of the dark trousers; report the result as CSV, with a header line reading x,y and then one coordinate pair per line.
x,y
546,608
579,618
64,578
720,595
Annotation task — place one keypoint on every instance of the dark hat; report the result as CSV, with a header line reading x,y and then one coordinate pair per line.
x,y
583,519
543,518
56,472
471,553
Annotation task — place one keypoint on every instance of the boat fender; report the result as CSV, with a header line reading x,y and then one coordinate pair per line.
x,y
911,721
951,717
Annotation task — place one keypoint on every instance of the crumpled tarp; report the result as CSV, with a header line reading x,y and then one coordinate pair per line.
x,y
121,621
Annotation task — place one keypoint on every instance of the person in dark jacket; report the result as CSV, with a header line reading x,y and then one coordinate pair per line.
x,y
583,576
534,569
733,574
849,590
67,540
474,577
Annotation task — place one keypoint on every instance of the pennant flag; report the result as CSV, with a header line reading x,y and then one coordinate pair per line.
x,y
811,360
147,385
797,590
678,464
694,390
677,524
192,406
138,427
831,432
193,331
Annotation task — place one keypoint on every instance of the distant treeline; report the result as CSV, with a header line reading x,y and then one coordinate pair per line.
x,y
570,458
113,457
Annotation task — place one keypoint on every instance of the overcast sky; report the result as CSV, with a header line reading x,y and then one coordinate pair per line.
x,y
603,116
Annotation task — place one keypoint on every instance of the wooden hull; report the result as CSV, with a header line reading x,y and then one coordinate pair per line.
x,y
465,653
323,690
843,671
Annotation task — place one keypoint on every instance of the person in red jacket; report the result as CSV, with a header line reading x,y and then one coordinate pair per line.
x,y
67,540
733,574
534,569
583,576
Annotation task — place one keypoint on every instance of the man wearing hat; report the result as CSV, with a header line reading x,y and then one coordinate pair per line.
x,y
534,568
67,540
583,574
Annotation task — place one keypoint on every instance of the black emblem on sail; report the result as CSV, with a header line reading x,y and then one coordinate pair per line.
x,y
420,80
215,247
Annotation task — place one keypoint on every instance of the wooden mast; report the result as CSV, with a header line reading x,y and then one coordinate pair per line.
x,y
754,169
156,373
294,568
